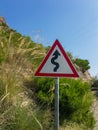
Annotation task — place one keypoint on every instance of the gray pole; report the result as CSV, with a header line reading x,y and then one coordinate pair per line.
x,y
56,103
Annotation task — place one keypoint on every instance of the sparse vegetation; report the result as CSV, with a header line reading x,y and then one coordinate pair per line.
x,y
83,64
75,99
26,102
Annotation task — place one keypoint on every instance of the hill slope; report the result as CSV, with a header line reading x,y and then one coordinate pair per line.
x,y
27,102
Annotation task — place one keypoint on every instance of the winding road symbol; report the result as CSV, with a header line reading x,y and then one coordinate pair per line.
x,y
55,56
56,63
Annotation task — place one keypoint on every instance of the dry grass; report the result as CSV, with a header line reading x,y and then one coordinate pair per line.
x,y
14,70
73,126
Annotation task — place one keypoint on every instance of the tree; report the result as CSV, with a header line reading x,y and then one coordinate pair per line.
x,y
83,64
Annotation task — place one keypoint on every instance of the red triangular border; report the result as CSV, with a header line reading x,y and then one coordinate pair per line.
x,y
39,73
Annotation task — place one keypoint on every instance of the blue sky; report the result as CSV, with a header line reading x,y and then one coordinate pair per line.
x,y
73,22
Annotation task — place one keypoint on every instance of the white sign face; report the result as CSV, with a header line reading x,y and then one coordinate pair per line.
x,y
57,63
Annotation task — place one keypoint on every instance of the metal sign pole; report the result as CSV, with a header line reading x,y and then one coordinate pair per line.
x,y
56,103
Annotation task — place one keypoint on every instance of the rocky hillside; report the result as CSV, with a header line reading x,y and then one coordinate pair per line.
x,y
27,102
18,43
86,76
39,51
2,20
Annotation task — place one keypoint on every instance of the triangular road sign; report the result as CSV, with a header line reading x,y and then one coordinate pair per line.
x,y
56,63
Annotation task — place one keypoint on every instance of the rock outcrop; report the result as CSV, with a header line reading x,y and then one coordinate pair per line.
x,y
85,76
2,20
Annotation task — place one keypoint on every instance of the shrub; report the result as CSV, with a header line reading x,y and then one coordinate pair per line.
x,y
44,90
74,126
75,99
83,64
16,53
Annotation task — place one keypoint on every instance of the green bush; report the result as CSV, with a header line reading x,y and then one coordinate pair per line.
x,y
75,99
25,118
44,90
83,64
74,126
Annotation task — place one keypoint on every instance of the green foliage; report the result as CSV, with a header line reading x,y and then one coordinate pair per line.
x,y
44,89
19,119
17,53
74,126
75,102
75,99
19,58
48,48
25,118
83,64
